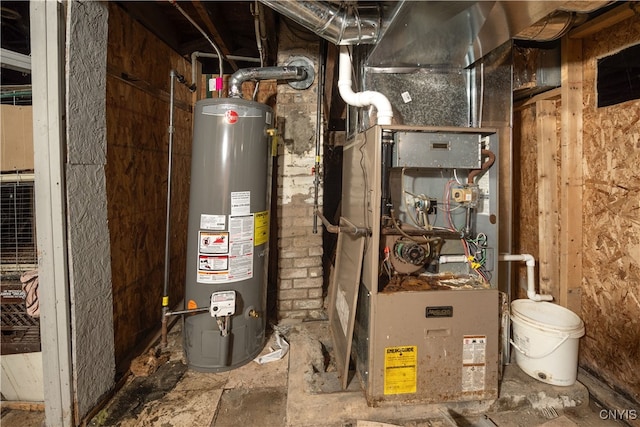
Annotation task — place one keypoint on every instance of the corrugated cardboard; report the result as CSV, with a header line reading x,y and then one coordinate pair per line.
x,y
16,128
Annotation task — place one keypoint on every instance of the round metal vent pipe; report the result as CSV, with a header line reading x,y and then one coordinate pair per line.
x,y
343,25
340,24
551,27
296,73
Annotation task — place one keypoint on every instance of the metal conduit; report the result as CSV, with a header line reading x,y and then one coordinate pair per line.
x,y
197,54
319,134
197,27
167,248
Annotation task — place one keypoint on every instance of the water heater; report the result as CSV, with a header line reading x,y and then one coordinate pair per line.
x,y
228,233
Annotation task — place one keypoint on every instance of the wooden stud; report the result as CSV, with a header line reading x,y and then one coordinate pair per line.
x,y
571,175
547,141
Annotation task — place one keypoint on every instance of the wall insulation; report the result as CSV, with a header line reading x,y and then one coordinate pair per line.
x,y
137,156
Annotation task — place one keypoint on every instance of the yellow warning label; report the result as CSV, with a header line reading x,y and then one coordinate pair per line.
x,y
400,369
261,233
165,301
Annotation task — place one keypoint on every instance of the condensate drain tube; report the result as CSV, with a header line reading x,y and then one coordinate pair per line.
x,y
531,264
361,99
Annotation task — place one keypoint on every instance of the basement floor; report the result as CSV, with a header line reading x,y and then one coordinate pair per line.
x,y
302,390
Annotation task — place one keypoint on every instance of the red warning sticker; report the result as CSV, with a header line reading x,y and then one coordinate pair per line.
x,y
231,116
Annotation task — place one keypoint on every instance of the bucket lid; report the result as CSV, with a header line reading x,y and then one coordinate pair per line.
x,y
546,314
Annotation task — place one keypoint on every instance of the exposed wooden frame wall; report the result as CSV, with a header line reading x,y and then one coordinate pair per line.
x,y
548,203
571,175
560,214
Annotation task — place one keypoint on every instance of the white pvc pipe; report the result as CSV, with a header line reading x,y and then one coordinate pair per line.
x,y
531,264
444,259
361,99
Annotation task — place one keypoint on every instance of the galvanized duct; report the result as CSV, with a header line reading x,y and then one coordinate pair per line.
x,y
341,24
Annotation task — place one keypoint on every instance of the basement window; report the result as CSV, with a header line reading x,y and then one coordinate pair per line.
x,y
619,77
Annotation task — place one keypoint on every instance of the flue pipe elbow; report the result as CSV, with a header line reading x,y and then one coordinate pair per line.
x,y
263,73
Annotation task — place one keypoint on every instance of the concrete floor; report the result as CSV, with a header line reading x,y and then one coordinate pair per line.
x,y
302,390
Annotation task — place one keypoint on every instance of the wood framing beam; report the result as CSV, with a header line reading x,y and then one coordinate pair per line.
x,y
329,78
217,37
571,182
553,94
548,221
146,87
606,20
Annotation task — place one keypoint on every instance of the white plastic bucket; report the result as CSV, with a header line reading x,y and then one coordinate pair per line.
x,y
545,337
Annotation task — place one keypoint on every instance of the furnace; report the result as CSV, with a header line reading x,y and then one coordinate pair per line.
x,y
414,300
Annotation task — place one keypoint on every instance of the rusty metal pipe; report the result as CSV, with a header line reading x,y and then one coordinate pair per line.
x,y
486,165
335,229
349,228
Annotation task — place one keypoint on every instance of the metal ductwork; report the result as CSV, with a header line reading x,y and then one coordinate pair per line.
x,y
341,24
428,33
458,33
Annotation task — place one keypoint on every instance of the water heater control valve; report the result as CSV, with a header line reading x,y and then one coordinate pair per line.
x,y
223,303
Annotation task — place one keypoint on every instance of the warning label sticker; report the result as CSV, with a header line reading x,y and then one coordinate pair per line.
x,y
213,222
225,257
240,202
473,378
213,243
213,263
241,232
400,369
474,351
262,228
212,277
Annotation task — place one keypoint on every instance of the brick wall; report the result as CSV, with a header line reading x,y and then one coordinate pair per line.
x,y
299,279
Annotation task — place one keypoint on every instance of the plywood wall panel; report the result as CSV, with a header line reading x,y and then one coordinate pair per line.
x,y
138,94
611,221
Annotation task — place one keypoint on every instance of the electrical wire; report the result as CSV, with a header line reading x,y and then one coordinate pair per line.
x,y
447,205
412,238
221,57
255,11
474,249
455,175
363,166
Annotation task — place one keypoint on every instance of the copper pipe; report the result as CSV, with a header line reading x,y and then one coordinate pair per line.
x,y
486,165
